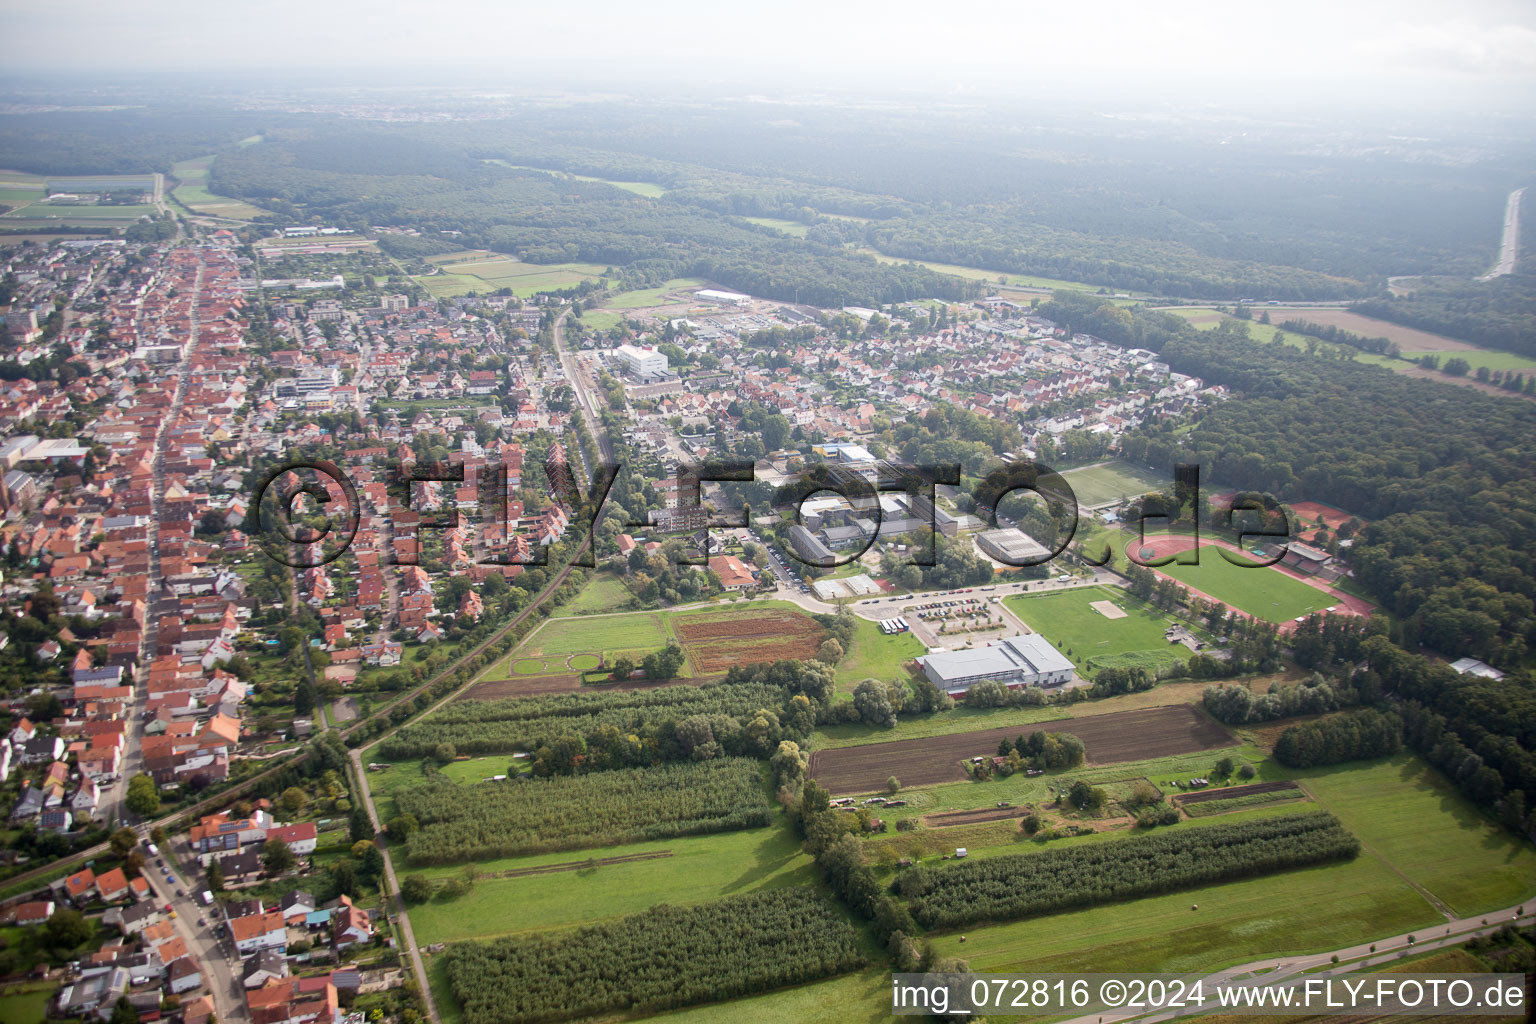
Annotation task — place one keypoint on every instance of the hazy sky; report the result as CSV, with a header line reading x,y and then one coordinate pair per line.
x,y
1476,46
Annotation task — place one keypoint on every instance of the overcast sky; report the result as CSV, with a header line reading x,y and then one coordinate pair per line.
x,y
1467,47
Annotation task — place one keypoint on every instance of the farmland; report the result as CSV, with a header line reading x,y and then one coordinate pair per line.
x,y
789,227
1411,816
1031,884
484,271
503,726
644,297
713,638
1126,736
1090,640
714,644
1113,481
663,958
503,819
694,869
193,193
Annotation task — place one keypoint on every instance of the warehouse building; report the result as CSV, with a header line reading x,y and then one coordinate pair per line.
x,y
1012,547
1014,661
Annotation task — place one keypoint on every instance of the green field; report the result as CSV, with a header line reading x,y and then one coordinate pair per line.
x,y
641,631
1067,620
603,593
1206,319
600,320
1263,593
1408,819
788,227
1113,481
27,1002
193,193
644,297
700,868
873,654
485,271
649,190
1409,815
1488,357
861,996
999,278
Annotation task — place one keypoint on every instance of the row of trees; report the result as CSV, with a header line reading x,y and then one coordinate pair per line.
x,y
1236,704
658,960
505,819
1000,888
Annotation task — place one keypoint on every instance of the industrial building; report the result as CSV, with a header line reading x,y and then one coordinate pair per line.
x,y
1012,547
1025,660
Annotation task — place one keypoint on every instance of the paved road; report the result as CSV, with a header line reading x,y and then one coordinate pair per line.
x,y
1352,959
1509,247
209,943
113,802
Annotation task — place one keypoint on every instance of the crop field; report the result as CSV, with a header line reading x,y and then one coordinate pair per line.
x,y
662,958
1127,736
999,278
1067,619
694,870
1085,875
505,819
1112,482
714,640
716,644
1235,792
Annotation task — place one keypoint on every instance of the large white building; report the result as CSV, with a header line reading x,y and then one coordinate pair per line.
x,y
1014,661
645,363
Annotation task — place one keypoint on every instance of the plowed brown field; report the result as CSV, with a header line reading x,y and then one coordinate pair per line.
x,y
1122,736
717,644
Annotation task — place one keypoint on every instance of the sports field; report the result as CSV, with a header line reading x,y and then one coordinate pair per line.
x,y
1113,481
1091,640
1265,593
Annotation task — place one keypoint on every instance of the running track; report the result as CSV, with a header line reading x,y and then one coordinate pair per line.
x,y
1162,546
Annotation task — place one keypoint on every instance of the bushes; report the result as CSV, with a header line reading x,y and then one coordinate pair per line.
x,y
664,958
1348,737
1000,888
505,819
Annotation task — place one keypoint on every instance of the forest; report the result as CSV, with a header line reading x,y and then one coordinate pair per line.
x,y
509,818
1451,544
664,958
1025,885
1352,736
